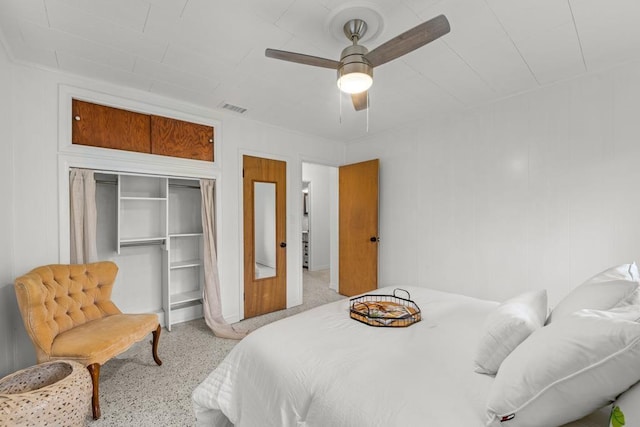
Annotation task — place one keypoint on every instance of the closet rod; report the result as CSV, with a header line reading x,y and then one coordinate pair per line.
x,y
102,181
151,175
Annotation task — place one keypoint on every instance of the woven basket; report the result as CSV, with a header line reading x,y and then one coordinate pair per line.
x,y
53,394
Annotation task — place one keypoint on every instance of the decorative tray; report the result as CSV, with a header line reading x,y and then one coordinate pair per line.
x,y
385,310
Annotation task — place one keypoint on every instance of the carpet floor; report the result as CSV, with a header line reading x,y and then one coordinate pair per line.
x,y
134,391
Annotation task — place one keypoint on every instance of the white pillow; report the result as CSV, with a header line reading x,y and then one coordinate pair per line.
x,y
567,369
619,272
626,408
507,326
611,288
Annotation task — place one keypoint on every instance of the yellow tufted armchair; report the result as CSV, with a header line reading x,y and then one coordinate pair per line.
x,y
68,314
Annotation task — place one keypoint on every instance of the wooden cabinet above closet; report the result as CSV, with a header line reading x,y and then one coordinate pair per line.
x,y
107,127
170,137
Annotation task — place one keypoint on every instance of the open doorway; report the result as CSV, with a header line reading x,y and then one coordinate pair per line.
x,y
319,212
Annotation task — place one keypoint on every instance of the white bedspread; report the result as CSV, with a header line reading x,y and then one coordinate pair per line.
x,y
320,368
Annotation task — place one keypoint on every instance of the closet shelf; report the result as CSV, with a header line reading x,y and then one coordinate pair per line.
x,y
130,241
161,199
185,297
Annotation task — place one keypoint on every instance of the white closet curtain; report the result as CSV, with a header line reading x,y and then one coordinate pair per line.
x,y
212,306
84,217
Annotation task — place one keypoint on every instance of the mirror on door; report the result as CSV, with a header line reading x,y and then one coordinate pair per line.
x,y
265,229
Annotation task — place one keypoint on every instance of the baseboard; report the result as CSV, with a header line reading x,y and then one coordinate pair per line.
x,y
185,314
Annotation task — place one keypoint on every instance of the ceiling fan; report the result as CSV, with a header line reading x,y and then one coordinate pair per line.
x,y
355,68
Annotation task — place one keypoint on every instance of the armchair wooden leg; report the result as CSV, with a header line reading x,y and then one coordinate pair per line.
x,y
156,339
94,370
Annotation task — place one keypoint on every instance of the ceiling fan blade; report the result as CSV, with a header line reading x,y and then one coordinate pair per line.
x,y
409,40
302,58
360,100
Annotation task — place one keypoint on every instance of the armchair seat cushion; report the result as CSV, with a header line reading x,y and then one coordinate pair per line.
x,y
99,340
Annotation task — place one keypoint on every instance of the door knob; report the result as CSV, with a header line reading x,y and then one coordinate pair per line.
x,y
374,239
283,245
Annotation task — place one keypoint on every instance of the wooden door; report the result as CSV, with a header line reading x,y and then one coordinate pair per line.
x,y
108,127
358,227
177,138
265,255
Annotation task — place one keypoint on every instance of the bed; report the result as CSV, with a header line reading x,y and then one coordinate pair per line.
x,y
321,368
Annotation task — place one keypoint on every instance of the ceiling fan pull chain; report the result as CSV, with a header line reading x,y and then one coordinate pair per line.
x,y
367,111
340,102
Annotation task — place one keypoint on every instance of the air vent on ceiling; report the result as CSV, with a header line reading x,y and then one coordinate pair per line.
x,y
233,108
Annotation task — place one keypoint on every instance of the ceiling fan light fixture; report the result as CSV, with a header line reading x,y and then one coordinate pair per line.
x,y
356,74
355,82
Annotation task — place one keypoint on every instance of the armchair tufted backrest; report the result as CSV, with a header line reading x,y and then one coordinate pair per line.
x,y
55,298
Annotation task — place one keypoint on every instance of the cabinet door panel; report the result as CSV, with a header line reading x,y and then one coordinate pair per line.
x,y
108,127
170,137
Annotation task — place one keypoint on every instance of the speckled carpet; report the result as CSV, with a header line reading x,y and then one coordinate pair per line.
x,y
134,391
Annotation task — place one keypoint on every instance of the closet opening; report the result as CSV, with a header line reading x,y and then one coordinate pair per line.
x,y
151,226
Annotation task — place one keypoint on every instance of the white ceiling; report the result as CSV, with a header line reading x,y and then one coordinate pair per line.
x,y
209,52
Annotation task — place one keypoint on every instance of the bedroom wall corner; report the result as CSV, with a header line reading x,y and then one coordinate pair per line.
x,y
33,188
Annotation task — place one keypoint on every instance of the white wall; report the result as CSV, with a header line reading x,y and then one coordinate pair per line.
x,y
8,306
32,235
321,194
536,191
333,226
